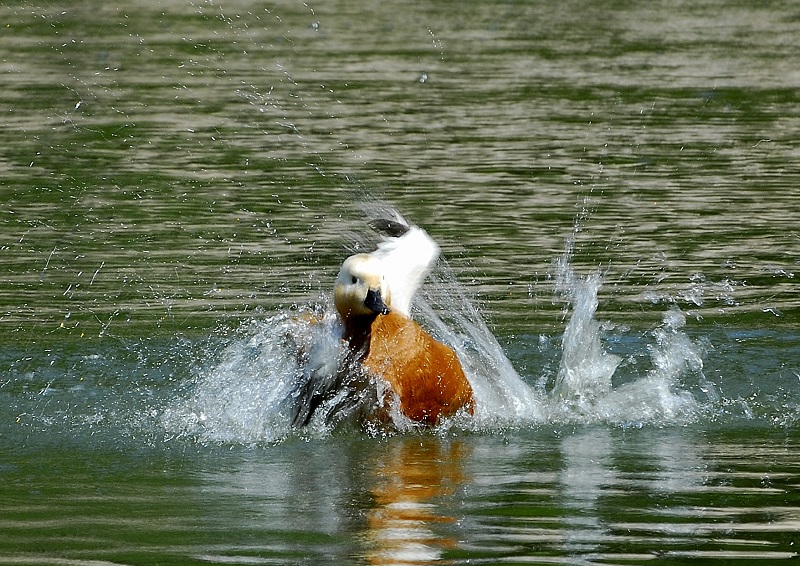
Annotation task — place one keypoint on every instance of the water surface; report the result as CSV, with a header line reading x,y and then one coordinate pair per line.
x,y
177,177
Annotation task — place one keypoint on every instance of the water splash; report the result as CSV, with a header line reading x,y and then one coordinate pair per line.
x,y
584,389
248,396
502,397
656,398
252,393
586,369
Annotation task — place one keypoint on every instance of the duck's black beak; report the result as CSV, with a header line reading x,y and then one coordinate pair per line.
x,y
374,302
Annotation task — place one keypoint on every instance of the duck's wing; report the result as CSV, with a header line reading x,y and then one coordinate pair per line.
x,y
406,260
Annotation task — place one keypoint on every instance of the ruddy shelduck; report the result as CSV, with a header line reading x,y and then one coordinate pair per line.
x,y
373,294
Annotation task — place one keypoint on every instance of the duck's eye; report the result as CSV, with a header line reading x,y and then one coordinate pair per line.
x,y
354,280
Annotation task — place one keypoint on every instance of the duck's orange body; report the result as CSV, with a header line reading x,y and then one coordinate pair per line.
x,y
372,295
425,374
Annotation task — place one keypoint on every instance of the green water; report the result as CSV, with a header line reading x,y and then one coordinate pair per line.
x,y
172,171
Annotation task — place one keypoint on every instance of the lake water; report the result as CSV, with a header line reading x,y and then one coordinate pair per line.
x,y
615,189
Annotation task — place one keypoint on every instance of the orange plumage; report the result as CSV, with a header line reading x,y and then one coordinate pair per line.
x,y
425,374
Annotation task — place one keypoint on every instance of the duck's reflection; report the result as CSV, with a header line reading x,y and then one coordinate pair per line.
x,y
410,480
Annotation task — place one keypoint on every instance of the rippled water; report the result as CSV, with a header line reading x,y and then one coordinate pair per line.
x,y
615,191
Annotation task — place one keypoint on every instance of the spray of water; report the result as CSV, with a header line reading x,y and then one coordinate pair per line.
x,y
584,389
248,395
503,398
254,392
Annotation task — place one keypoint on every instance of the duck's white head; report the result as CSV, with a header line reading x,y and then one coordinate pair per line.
x,y
361,288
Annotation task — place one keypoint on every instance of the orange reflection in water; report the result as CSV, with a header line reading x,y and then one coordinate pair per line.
x,y
411,479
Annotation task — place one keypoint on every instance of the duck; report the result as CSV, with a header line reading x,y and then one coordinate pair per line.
x,y
373,292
